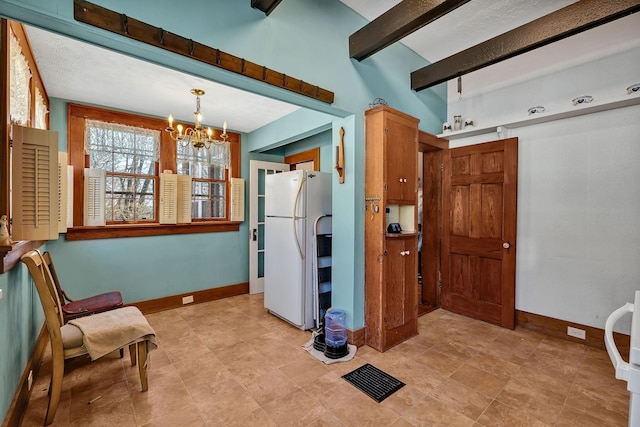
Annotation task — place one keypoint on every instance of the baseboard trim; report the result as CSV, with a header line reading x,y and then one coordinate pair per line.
x,y
175,301
356,337
558,328
18,406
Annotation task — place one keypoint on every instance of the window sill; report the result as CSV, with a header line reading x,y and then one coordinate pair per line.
x,y
11,254
141,230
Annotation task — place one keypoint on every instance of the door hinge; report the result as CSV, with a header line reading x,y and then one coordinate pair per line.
x,y
386,130
11,143
441,167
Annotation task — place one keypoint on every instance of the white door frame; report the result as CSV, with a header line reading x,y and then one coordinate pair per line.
x,y
256,220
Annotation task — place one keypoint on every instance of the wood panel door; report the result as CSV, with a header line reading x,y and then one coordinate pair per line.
x,y
479,231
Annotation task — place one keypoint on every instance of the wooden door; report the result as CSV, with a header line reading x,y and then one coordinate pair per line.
x,y
431,228
479,231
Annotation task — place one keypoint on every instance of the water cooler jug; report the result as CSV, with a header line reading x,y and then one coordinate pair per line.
x,y
335,334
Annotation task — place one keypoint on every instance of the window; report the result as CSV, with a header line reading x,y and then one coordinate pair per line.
x,y
209,185
133,150
128,155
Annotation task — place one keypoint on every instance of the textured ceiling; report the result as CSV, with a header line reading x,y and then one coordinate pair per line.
x,y
99,76
96,75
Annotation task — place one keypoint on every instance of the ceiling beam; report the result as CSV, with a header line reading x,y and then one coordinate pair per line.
x,y
266,6
396,23
568,21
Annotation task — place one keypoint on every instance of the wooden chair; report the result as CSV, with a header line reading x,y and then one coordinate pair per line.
x,y
67,339
72,309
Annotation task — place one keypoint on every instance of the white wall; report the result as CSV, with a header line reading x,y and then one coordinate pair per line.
x,y
578,189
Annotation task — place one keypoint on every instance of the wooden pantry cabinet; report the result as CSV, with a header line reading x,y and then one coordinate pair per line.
x,y
391,195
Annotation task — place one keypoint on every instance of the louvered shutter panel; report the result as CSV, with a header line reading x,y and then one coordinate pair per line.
x,y
69,218
168,198
94,194
62,191
237,199
184,199
35,184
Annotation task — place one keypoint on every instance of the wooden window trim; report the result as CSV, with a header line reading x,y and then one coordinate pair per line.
x,y
10,255
312,155
77,114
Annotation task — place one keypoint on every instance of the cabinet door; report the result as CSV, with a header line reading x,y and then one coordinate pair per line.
x,y
394,301
410,280
401,152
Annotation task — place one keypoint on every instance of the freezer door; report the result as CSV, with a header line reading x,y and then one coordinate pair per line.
x,y
280,194
284,271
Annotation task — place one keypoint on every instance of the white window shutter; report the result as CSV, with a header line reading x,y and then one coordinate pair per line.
x,y
94,194
62,191
69,218
168,198
237,199
35,184
184,199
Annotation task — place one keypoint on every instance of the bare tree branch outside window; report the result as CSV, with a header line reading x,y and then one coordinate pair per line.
x,y
128,155
208,169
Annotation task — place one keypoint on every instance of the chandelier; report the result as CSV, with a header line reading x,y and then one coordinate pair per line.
x,y
197,136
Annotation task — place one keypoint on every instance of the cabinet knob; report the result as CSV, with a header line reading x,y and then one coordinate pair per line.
x,y
407,252
400,180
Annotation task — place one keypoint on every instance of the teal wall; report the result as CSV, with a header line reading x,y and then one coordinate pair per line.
x,y
21,319
307,39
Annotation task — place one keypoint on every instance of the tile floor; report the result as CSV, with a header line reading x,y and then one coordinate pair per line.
x,y
230,363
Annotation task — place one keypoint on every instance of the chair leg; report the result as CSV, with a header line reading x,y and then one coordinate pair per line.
x,y
55,389
132,354
142,364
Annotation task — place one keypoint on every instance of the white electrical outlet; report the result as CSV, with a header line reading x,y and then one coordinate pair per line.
x,y
575,332
187,300
30,380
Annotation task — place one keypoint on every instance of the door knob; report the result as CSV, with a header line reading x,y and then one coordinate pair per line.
x,y
506,245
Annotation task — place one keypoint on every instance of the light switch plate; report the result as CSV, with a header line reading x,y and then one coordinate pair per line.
x,y
1,294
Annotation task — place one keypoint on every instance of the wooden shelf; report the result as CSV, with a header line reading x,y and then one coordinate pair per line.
x,y
548,116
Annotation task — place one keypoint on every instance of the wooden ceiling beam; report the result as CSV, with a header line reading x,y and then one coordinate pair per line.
x,y
266,6
568,21
398,22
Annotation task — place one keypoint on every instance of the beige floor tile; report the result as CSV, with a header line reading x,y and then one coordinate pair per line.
x,y
270,386
494,365
305,370
481,381
544,383
231,363
404,399
463,399
609,404
572,417
359,410
535,403
295,409
228,406
501,415
433,413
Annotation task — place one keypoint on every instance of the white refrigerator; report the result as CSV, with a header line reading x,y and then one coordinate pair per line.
x,y
627,371
293,202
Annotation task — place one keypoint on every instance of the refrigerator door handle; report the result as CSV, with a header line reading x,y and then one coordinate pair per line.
x,y
294,217
621,367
